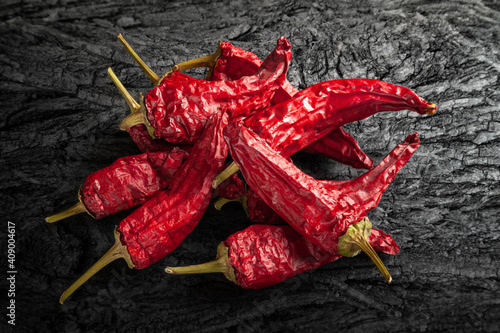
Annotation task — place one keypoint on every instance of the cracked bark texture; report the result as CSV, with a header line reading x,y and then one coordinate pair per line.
x,y
59,122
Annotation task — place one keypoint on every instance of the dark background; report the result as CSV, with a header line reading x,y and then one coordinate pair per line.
x,y
59,122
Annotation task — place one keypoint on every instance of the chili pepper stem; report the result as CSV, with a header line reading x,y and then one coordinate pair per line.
x,y
219,265
132,119
205,61
76,209
117,251
241,199
225,174
355,240
131,102
155,79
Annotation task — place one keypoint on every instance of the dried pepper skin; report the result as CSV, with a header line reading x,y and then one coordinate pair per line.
x,y
178,108
129,181
264,255
326,106
259,211
234,63
340,146
146,143
320,210
231,188
161,224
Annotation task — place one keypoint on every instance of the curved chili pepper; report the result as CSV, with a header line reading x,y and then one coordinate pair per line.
x,y
179,106
264,255
232,63
321,211
315,111
126,183
340,146
158,226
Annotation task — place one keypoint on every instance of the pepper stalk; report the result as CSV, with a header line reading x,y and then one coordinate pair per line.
x,y
137,110
73,210
241,199
225,174
219,265
355,240
204,61
117,251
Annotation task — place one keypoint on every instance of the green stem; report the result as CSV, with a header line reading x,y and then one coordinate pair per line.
x,y
225,174
76,209
117,251
206,61
219,265
355,240
155,79
132,119
131,102
243,200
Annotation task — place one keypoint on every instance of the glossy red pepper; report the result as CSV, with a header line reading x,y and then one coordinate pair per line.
x,y
321,211
126,183
264,255
158,226
177,109
316,111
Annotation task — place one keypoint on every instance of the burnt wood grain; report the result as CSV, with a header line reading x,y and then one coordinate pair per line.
x,y
59,122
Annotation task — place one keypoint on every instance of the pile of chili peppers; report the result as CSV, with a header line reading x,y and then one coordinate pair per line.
x,y
186,129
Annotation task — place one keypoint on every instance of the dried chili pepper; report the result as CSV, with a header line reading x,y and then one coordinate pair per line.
x,y
321,211
319,109
231,188
158,226
340,146
231,63
263,255
126,183
255,208
177,109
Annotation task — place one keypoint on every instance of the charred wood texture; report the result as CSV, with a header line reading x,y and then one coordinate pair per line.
x,y
59,122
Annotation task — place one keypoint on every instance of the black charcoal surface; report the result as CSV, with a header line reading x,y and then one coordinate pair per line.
x,y
59,122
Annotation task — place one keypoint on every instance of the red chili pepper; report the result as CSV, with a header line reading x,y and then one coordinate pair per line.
x,y
126,183
146,143
255,208
263,255
232,63
232,188
316,111
340,146
179,106
322,211
158,226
